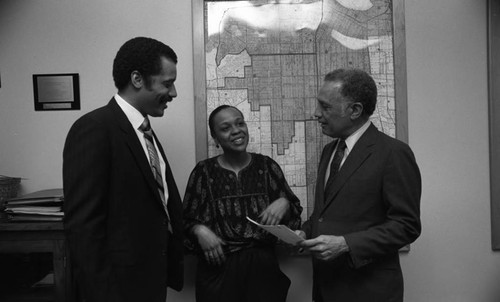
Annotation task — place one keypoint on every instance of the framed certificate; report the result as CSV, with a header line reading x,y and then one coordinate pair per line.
x,y
56,91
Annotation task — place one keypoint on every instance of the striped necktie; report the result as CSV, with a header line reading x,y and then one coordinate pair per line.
x,y
154,161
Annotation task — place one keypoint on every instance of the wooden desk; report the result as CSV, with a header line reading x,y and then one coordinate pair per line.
x,y
33,237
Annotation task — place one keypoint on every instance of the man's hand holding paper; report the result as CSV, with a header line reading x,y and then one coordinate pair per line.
x,y
325,247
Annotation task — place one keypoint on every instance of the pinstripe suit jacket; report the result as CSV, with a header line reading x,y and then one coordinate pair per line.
x,y
115,224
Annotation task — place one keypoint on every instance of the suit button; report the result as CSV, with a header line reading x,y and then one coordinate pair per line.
x,y
320,219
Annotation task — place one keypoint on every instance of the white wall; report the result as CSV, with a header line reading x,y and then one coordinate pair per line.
x,y
81,36
447,103
448,130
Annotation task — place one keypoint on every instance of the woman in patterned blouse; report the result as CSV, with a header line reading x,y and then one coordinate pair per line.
x,y
237,261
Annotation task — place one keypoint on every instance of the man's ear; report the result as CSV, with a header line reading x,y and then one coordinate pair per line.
x,y
357,110
136,79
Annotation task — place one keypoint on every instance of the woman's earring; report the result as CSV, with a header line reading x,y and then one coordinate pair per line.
x,y
217,146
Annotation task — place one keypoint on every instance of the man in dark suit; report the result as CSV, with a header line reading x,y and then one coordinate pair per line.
x,y
367,199
123,212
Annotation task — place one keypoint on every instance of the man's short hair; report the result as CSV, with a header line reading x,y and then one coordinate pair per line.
x,y
140,54
357,86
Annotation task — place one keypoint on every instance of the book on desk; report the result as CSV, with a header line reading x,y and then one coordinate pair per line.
x,y
43,205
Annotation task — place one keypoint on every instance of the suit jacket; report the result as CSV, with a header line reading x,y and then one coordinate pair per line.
x,y
374,202
115,223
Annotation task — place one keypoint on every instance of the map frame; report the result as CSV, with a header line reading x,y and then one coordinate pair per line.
x,y
200,88
494,120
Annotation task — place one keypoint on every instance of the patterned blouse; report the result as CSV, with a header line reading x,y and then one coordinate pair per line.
x,y
221,200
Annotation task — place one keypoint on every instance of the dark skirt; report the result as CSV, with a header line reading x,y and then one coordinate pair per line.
x,y
248,275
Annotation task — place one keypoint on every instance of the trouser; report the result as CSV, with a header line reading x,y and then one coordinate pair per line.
x,y
249,275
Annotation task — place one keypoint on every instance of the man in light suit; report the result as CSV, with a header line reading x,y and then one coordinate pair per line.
x,y
367,202
123,218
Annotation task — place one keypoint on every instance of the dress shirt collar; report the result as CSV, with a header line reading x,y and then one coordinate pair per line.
x,y
353,138
133,115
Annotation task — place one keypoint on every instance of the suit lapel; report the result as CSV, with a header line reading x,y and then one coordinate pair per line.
x,y
320,180
174,203
135,146
171,186
358,155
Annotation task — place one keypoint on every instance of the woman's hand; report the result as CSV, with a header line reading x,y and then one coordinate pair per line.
x,y
210,244
273,214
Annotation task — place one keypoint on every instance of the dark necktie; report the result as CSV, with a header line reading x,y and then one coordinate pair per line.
x,y
336,161
154,160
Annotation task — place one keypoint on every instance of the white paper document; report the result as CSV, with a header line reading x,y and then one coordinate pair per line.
x,y
280,231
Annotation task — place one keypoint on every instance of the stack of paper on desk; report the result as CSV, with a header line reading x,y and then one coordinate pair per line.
x,y
280,231
44,205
